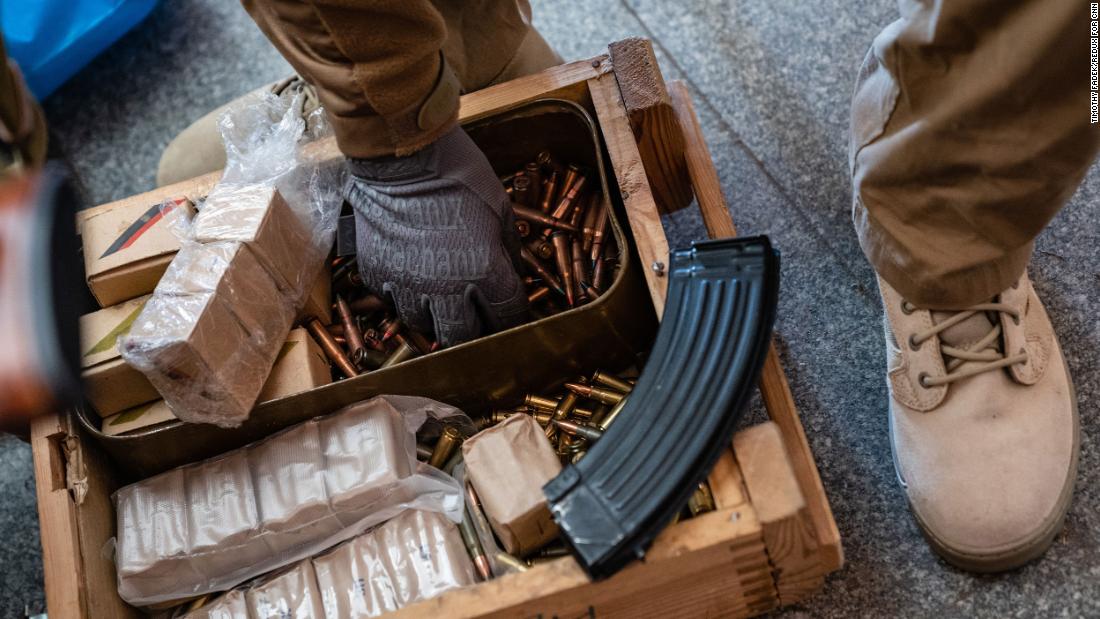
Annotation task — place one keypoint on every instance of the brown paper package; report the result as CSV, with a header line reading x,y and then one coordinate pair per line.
x,y
259,217
220,322
508,464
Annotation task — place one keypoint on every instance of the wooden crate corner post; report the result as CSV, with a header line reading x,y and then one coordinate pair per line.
x,y
653,121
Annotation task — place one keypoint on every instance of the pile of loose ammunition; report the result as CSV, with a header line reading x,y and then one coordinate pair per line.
x,y
577,415
574,418
568,248
366,336
564,224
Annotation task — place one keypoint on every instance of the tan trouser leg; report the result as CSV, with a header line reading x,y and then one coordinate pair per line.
x,y
970,129
198,149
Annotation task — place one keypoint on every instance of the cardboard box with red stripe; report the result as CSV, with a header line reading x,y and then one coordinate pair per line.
x,y
127,248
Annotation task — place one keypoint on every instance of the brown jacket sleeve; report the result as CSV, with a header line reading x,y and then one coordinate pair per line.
x,y
377,66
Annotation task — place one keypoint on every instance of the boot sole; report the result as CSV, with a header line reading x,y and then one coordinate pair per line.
x,y
1031,548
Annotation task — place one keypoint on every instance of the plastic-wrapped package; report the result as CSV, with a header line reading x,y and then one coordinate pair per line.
x,y
508,464
258,217
211,332
424,556
353,580
290,595
232,605
208,526
415,556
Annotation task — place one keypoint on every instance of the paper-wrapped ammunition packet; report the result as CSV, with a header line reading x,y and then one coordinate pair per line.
x,y
507,465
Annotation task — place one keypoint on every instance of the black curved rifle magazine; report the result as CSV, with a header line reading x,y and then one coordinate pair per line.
x,y
713,339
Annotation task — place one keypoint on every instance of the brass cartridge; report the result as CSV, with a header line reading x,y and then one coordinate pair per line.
x,y
331,348
403,352
607,396
562,257
538,294
610,380
540,269
534,216
586,432
449,440
540,403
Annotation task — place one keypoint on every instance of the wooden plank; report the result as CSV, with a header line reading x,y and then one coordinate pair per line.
x,y
656,127
774,387
711,565
76,518
648,232
789,533
568,81
62,568
726,484
641,210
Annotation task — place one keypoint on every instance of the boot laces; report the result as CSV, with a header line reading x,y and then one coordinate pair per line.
x,y
984,355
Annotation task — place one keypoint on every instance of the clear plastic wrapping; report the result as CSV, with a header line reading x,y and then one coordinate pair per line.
x,y
208,526
291,594
210,335
414,556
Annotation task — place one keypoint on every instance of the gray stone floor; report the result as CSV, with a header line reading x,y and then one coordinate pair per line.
x,y
772,82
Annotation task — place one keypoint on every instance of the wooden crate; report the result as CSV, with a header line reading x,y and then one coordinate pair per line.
x,y
772,539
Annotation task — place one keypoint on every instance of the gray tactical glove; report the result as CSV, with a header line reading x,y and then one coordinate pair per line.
x,y
435,233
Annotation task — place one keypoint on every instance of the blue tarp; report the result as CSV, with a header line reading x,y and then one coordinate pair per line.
x,y
53,39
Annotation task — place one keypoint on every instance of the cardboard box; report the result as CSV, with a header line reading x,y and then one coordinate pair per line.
x,y
300,366
232,273
111,385
127,247
137,418
209,336
508,464
259,217
198,353
319,302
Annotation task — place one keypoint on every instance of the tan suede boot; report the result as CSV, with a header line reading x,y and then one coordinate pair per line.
x,y
983,425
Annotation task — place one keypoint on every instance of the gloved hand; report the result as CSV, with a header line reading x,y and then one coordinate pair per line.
x,y
435,233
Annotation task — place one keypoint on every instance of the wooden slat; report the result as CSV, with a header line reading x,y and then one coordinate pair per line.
x,y
70,471
656,128
641,210
61,564
710,565
726,483
648,233
789,533
774,388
